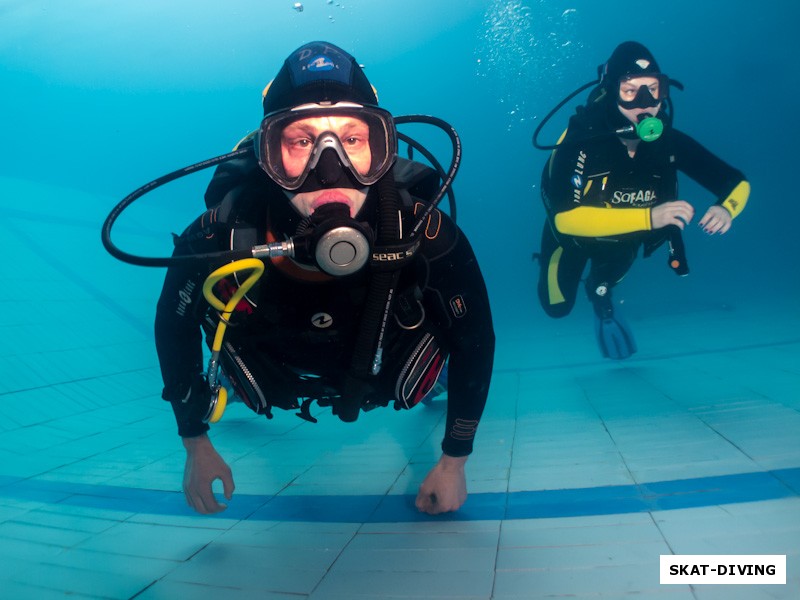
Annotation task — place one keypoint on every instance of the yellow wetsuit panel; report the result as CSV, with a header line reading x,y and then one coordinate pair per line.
x,y
553,290
593,221
737,199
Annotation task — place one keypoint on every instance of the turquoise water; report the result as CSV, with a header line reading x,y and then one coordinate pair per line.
x,y
101,98
691,447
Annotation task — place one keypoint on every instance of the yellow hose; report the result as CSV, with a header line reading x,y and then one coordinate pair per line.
x,y
226,309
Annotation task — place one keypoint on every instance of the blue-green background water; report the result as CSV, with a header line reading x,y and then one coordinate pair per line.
x,y
100,97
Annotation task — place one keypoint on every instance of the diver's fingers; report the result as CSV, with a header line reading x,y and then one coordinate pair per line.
x,y
195,502
716,220
227,484
684,211
202,500
208,503
717,226
426,503
677,213
680,216
711,225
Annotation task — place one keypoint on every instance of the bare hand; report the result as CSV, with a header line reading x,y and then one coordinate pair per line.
x,y
678,212
203,466
716,220
444,488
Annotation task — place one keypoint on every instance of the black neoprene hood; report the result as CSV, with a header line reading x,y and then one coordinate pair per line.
x,y
629,59
318,72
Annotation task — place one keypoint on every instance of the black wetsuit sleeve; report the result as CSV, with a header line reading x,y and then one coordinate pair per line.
x,y
705,168
455,296
178,334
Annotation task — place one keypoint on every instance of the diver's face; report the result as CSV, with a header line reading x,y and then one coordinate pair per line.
x,y
297,142
629,88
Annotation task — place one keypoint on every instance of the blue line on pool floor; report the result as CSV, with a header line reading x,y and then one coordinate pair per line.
x,y
646,497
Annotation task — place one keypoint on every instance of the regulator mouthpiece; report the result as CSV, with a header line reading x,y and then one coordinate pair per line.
x,y
336,243
649,128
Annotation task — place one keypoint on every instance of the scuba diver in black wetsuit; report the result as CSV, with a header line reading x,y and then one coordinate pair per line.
x,y
367,290
610,186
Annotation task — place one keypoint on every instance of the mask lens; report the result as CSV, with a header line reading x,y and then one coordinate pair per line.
x,y
290,143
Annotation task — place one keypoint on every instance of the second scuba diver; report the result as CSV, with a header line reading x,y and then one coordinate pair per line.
x,y
611,187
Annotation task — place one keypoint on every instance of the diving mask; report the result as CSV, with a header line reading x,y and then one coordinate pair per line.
x,y
363,138
645,95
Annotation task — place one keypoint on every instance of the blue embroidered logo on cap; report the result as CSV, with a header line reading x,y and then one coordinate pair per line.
x,y
321,63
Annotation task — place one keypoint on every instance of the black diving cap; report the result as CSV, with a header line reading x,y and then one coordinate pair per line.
x,y
629,59
315,73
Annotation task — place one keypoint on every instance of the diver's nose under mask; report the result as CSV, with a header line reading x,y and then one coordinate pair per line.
x,y
328,172
643,99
